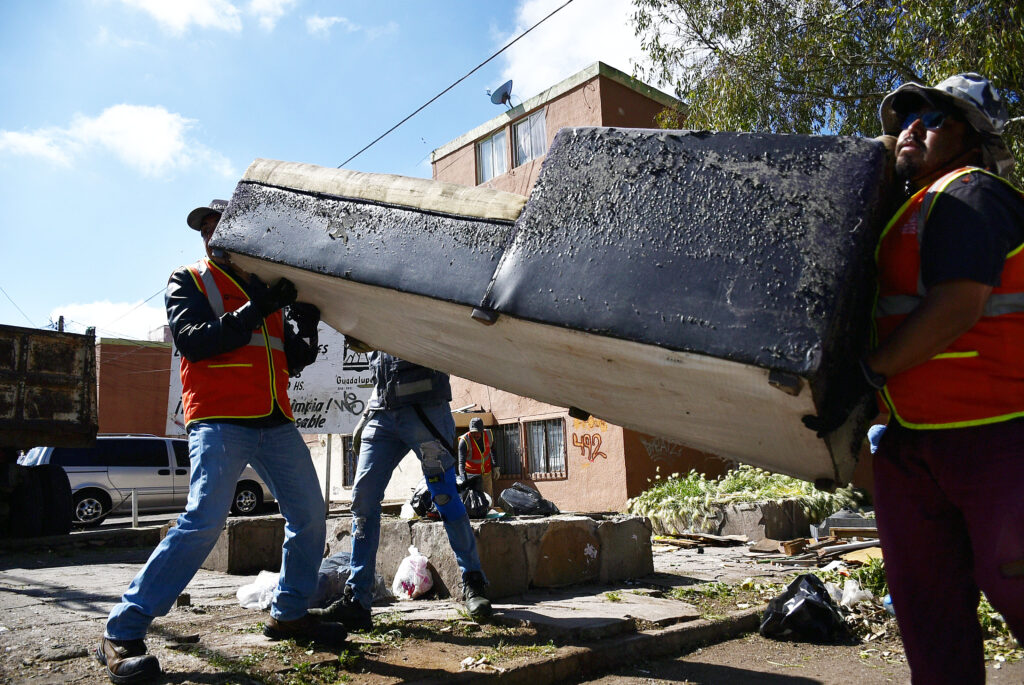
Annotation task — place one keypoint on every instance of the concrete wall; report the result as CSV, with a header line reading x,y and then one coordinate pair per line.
x,y
622,106
132,379
651,457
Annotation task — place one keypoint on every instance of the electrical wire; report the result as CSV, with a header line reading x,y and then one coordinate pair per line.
x,y
468,74
17,307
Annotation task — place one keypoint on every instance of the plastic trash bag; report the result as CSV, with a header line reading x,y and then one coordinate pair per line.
x,y
523,500
413,577
259,593
805,611
422,502
853,593
477,503
334,573
330,582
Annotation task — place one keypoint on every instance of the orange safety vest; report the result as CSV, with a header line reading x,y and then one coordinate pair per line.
x,y
246,382
479,458
979,378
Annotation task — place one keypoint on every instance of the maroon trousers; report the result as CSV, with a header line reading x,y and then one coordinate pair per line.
x,y
950,509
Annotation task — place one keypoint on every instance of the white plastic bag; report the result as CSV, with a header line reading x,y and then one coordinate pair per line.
x,y
853,593
412,579
259,593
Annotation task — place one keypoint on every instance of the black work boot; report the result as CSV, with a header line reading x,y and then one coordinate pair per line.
x,y
127,661
473,594
309,627
348,611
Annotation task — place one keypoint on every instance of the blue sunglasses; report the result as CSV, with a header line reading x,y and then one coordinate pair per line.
x,y
932,120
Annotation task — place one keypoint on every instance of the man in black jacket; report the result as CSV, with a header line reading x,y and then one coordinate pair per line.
x,y
238,349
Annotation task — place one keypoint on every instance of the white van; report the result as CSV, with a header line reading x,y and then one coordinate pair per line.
x,y
103,476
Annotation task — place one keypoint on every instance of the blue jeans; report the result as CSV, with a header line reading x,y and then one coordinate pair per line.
x,y
219,453
386,438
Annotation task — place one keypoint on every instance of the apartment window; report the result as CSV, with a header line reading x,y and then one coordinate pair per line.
x,y
530,138
545,446
507,451
490,157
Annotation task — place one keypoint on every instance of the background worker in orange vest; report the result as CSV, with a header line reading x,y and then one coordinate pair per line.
x,y
475,454
949,470
238,349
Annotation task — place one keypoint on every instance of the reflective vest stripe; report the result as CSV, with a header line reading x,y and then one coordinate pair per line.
x,y
248,381
478,456
996,305
979,378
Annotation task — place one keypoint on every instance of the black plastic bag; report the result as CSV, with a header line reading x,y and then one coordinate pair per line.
x,y
524,500
422,502
477,503
804,612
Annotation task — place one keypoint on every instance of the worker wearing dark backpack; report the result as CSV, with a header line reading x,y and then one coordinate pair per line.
x,y
408,411
949,320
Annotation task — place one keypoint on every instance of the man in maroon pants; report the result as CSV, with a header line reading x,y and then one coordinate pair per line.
x,y
949,471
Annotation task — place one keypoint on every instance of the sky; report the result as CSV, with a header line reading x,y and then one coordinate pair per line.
x,y
117,117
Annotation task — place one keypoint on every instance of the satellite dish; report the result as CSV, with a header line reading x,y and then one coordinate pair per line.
x,y
503,94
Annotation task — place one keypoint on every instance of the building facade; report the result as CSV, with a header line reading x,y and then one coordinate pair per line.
x,y
579,463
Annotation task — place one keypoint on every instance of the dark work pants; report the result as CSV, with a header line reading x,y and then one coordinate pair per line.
x,y
950,508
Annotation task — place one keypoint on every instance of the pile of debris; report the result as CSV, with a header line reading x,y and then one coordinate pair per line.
x,y
846,536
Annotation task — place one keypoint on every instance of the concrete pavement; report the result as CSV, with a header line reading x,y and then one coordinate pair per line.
x,y
54,600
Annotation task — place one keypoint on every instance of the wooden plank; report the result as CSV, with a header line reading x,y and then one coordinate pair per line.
x,y
862,556
853,532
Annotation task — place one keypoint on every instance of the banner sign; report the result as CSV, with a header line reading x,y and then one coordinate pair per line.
x,y
327,397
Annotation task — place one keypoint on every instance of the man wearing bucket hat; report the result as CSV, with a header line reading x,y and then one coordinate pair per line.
x,y
238,349
949,320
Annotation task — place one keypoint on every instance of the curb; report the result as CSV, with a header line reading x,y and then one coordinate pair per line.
x,y
148,536
614,653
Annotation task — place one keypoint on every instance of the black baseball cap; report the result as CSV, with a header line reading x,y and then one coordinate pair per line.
x,y
196,216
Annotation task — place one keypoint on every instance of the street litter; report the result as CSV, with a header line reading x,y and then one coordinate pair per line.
x,y
805,611
413,577
259,593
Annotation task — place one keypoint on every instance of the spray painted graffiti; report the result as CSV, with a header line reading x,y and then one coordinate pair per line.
x,y
589,444
659,449
590,424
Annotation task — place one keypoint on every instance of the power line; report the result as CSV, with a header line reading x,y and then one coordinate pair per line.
x,y
17,307
118,318
468,74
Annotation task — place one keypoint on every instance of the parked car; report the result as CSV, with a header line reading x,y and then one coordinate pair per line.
x,y
103,476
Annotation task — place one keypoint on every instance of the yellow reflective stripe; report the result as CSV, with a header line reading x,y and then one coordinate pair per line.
x,y
223,366
956,355
253,416
953,424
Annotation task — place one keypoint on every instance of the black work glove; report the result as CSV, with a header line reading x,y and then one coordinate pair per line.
x,y
269,299
306,317
845,392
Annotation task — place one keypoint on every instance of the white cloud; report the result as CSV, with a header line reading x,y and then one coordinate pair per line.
x,y
321,26
177,15
132,320
580,34
269,11
38,144
105,37
148,139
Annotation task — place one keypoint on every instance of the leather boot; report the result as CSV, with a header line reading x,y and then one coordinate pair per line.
x,y
348,611
473,589
127,661
309,627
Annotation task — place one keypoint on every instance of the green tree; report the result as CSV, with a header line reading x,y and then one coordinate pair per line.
x,y
823,66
